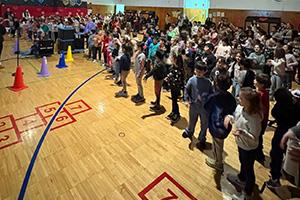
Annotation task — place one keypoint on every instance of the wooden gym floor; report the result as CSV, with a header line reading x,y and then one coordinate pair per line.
x,y
99,146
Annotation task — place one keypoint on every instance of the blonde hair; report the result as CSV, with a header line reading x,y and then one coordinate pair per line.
x,y
252,97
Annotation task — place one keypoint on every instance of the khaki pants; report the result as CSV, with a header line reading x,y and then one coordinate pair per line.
x,y
217,149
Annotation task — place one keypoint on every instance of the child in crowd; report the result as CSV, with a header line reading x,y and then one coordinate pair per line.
x,y
286,114
125,63
91,44
291,62
234,71
296,53
247,76
262,83
258,59
278,70
116,54
219,105
208,58
153,47
197,86
247,119
158,74
109,52
139,71
175,80
221,68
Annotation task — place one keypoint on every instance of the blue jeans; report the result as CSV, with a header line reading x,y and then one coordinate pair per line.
x,y
276,82
196,110
26,53
247,169
117,68
235,89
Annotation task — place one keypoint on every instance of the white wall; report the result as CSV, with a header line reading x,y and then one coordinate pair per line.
x,y
283,5
142,3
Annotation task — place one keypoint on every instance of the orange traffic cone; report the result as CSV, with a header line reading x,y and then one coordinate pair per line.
x,y
19,83
69,57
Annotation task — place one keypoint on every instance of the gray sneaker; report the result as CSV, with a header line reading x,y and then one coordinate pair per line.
x,y
236,182
242,196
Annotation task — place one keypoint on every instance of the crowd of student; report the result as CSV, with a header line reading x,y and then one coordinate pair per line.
x,y
201,62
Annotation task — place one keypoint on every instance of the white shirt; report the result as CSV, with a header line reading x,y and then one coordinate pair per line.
x,y
249,127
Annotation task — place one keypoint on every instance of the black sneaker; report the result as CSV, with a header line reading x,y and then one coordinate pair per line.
x,y
186,135
169,117
153,102
135,96
236,182
175,118
119,83
155,108
271,184
139,98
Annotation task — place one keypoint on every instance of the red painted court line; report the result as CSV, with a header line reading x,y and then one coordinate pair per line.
x,y
32,128
17,132
26,116
143,193
69,115
9,117
40,107
83,102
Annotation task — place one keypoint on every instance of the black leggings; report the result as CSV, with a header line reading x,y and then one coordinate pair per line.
x,y
1,48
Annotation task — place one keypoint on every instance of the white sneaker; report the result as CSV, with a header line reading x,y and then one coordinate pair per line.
x,y
94,61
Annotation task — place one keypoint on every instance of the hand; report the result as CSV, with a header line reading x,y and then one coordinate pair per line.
x,y
285,138
187,104
294,152
236,133
226,122
166,79
199,97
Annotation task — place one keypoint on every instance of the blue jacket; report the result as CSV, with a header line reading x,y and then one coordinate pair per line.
x,y
219,106
152,49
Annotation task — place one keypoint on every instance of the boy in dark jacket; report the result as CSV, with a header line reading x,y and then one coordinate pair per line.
x,y
219,105
158,74
208,58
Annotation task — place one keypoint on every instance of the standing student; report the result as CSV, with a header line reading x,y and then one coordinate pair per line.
x,y
286,114
247,119
175,80
158,74
139,71
125,63
235,71
153,47
278,70
291,62
220,68
91,44
258,59
219,105
262,83
98,39
208,58
247,76
196,87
